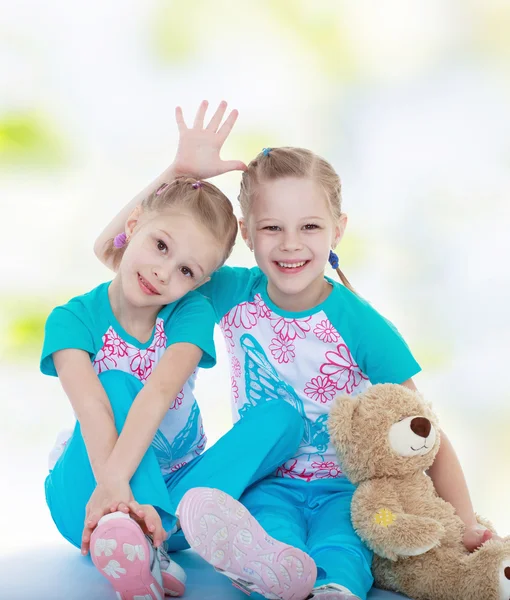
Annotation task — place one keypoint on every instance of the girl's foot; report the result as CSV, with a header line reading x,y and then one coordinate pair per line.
x,y
332,591
226,535
126,557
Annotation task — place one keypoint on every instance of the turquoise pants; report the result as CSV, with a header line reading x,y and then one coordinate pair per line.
x,y
255,446
315,516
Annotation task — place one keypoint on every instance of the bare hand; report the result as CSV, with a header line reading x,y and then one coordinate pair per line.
x,y
106,498
149,520
475,536
198,152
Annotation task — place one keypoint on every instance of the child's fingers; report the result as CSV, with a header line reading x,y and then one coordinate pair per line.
x,y
179,117
487,535
217,117
135,508
159,537
226,128
199,118
85,540
233,165
123,507
92,519
155,527
476,537
149,523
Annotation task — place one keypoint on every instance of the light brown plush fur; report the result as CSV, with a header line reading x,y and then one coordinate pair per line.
x,y
415,535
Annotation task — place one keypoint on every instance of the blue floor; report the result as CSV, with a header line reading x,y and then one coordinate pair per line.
x,y
61,573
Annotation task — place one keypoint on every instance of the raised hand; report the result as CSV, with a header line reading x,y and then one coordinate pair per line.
x,y
198,152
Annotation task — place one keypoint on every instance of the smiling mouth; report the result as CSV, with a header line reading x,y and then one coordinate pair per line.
x,y
291,265
416,449
147,287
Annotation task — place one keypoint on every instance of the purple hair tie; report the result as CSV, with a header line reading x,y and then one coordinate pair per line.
x,y
196,185
120,240
162,188
333,259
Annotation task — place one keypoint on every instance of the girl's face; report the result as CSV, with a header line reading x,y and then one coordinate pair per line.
x,y
291,232
168,254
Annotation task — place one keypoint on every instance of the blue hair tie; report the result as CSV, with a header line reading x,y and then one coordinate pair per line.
x,y
266,151
333,259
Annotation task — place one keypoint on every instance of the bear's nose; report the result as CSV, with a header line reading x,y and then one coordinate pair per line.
x,y
421,426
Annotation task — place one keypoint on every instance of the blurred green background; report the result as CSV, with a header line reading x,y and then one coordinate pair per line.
x,y
409,101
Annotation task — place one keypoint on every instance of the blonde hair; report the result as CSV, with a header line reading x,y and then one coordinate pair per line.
x,y
274,163
203,200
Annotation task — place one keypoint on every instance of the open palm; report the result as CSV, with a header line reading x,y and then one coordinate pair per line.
x,y
198,152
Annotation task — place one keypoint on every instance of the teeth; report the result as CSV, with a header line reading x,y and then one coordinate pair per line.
x,y
291,266
146,284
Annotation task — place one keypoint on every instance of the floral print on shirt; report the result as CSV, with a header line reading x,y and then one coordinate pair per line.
x,y
304,361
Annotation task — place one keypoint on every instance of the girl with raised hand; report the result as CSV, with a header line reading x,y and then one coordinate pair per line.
x,y
295,334
126,354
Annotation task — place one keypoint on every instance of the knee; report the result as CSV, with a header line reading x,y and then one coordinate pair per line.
x,y
121,389
117,383
289,421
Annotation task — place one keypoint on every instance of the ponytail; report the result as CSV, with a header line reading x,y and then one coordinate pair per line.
x,y
113,253
345,281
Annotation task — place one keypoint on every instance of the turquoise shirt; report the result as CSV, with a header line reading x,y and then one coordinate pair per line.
x,y
87,323
306,358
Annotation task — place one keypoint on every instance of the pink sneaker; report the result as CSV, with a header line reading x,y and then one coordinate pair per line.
x,y
226,535
126,557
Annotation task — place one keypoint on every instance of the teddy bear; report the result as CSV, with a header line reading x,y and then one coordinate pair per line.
x,y
386,438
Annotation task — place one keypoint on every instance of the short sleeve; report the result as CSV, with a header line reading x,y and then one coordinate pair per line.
x,y
64,329
193,321
227,287
382,354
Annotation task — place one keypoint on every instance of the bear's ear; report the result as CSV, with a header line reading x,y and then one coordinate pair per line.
x,y
340,419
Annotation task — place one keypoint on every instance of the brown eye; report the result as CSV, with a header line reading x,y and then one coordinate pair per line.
x,y
187,272
162,247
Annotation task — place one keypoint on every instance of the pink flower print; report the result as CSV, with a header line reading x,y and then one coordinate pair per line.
x,y
263,310
282,351
227,333
326,470
288,469
235,389
178,401
320,389
178,466
243,315
104,360
326,332
141,363
342,369
160,335
114,345
289,329
236,366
